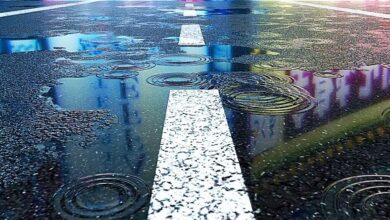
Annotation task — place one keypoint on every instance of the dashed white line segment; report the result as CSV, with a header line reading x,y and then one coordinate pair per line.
x,y
189,13
353,11
189,5
198,175
26,11
191,35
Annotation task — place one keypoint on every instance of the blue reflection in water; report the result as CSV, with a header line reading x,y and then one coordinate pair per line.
x,y
119,148
124,97
131,145
72,43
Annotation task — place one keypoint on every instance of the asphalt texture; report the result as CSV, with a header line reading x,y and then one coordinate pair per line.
x,y
305,91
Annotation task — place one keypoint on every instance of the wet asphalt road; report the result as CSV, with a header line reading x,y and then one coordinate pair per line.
x,y
84,91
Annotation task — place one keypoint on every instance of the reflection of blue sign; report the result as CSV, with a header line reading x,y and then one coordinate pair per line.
x,y
70,43
23,45
120,147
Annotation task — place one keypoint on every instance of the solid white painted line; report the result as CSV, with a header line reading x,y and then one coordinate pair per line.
x,y
189,5
191,35
26,11
189,13
353,11
198,175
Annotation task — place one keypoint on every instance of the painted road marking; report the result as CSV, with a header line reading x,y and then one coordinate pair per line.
x,y
189,5
198,175
189,13
353,11
191,35
26,11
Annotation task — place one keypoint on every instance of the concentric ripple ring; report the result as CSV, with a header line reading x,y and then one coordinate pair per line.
x,y
357,197
122,70
178,80
264,94
181,59
102,196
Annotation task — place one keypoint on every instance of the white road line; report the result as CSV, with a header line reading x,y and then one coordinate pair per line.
x,y
191,35
353,11
26,11
198,175
189,13
189,5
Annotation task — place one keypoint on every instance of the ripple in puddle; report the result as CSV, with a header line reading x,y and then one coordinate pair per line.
x,y
110,39
121,70
87,61
117,74
358,197
178,80
181,59
103,196
264,94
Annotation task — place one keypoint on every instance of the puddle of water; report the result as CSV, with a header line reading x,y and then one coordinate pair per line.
x,y
181,59
122,70
206,54
291,159
72,43
194,80
270,112
137,93
128,147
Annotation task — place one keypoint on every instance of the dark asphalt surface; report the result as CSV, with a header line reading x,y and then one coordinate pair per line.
x,y
64,114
